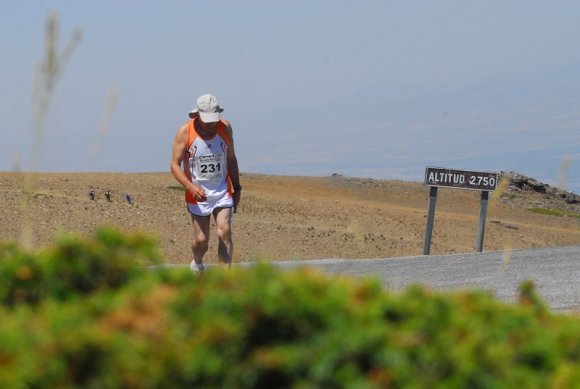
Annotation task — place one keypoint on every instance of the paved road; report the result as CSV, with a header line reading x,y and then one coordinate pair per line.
x,y
555,272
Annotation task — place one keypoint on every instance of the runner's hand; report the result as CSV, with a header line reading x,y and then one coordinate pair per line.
x,y
197,192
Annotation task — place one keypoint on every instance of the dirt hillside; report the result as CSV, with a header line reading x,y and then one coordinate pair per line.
x,y
284,217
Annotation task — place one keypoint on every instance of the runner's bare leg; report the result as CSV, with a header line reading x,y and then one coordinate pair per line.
x,y
223,217
200,237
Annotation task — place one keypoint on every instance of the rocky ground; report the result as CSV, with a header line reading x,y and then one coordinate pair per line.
x,y
284,217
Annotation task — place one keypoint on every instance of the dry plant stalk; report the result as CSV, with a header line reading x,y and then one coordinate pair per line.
x,y
47,73
564,167
105,121
498,193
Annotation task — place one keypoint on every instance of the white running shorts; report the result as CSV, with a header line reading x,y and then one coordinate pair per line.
x,y
206,208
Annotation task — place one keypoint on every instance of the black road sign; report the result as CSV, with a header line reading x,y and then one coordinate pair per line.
x,y
462,179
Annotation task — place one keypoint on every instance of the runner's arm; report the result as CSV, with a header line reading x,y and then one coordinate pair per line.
x,y
233,170
176,164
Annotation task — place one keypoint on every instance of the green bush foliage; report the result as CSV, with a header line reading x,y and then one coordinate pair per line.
x,y
90,314
73,266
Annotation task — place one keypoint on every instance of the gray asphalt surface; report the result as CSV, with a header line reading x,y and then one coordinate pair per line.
x,y
555,272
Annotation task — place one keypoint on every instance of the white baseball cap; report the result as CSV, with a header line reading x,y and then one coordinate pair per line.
x,y
208,109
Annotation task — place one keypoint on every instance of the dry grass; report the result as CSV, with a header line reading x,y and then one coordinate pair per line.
x,y
48,71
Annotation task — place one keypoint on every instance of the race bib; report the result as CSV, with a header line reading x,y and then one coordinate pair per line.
x,y
210,167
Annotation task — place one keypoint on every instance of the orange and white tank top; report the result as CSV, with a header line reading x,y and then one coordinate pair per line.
x,y
206,161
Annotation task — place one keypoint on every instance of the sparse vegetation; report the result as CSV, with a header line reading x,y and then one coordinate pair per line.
x,y
276,222
554,212
548,211
88,313
509,196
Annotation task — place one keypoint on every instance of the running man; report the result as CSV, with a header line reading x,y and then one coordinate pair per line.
x,y
205,163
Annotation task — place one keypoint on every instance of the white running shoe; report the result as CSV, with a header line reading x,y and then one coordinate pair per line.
x,y
197,268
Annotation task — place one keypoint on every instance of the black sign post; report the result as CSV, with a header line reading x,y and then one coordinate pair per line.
x,y
481,225
430,220
460,179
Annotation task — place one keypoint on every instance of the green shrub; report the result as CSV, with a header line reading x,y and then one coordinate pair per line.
x,y
259,327
21,276
73,266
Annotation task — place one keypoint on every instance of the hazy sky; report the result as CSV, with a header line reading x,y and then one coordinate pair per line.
x,y
362,88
